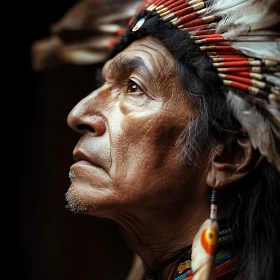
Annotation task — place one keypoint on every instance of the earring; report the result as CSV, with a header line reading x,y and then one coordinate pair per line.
x,y
205,245
213,205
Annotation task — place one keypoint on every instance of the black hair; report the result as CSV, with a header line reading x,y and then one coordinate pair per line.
x,y
256,208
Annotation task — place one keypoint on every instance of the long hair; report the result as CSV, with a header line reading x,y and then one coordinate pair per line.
x,y
256,223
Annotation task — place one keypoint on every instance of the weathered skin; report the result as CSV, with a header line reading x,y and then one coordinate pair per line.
x,y
128,160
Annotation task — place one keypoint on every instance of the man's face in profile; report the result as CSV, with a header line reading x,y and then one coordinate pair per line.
x,y
128,158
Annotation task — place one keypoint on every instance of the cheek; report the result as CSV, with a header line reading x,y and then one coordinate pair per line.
x,y
144,150
149,139
145,157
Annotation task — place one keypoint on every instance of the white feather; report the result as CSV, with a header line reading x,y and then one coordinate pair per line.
x,y
264,136
203,262
224,6
262,50
245,35
274,79
243,16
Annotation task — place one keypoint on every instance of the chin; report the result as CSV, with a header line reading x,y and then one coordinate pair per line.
x,y
88,200
90,189
75,201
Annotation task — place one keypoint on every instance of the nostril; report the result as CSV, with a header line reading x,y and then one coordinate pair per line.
x,y
94,125
82,127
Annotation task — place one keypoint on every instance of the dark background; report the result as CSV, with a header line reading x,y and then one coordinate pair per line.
x,y
52,242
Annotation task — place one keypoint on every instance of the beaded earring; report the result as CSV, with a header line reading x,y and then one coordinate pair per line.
x,y
205,245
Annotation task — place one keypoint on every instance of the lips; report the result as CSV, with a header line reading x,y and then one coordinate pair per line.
x,y
80,157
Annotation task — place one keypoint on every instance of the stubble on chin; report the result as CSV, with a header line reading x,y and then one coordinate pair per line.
x,y
75,204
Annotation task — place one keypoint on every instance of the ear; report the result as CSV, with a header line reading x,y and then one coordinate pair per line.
x,y
232,160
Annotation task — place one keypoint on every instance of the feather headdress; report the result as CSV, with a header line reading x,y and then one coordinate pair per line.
x,y
242,38
82,35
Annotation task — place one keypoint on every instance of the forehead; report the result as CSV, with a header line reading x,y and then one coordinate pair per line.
x,y
148,53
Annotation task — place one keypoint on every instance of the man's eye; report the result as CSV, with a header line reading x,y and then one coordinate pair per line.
x,y
133,87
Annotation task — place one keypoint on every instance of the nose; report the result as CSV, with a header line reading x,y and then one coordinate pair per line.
x,y
86,117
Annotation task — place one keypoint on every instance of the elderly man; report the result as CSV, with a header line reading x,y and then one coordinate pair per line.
x,y
183,113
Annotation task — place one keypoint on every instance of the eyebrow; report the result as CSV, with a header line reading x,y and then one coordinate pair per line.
x,y
124,64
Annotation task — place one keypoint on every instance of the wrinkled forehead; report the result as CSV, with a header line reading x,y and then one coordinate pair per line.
x,y
171,43
147,54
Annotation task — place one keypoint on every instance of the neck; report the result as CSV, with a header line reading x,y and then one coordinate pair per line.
x,y
159,237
